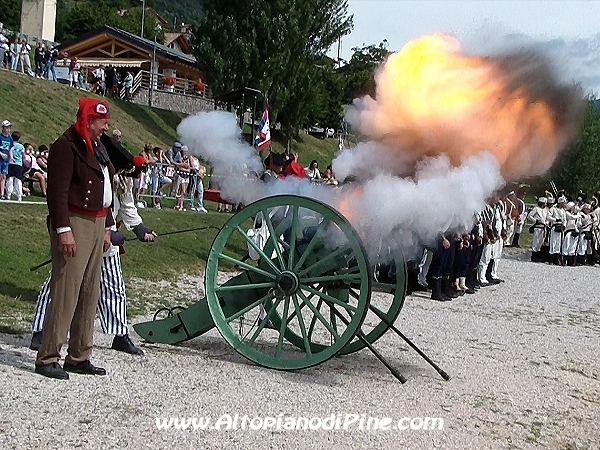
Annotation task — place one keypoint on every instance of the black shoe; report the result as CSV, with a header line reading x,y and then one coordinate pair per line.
x,y
420,288
36,341
124,344
85,368
52,370
495,280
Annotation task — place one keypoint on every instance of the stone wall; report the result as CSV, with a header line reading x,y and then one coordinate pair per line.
x,y
174,102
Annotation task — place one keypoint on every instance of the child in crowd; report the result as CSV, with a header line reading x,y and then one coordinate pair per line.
x,y
6,144
15,168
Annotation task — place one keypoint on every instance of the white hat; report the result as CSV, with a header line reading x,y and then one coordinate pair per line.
x,y
6,123
562,199
570,205
184,148
542,200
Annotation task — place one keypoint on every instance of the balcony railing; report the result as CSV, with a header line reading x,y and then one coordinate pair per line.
x,y
181,86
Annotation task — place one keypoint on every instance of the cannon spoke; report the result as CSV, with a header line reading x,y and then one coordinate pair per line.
x,y
329,298
313,321
243,265
259,250
279,348
326,260
250,307
293,231
274,237
311,245
351,278
320,317
263,323
297,312
243,287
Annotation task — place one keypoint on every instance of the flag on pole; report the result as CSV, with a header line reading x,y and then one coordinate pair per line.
x,y
263,134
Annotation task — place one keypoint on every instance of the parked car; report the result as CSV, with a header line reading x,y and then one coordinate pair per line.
x,y
317,132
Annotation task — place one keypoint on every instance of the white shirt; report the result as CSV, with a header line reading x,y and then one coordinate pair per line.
x,y
99,73
124,206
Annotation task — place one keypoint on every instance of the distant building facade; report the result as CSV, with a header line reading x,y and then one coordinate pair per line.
x,y
38,19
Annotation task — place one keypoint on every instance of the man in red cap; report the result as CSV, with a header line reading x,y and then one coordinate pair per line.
x,y
79,197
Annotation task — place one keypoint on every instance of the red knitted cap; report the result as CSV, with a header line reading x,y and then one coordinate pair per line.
x,y
90,108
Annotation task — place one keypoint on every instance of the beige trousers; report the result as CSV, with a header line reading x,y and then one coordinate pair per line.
x,y
74,290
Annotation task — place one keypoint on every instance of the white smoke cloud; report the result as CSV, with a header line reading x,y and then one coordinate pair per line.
x,y
412,211
439,196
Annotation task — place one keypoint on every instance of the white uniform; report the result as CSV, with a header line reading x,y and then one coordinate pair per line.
x,y
571,234
539,216
585,228
556,218
492,251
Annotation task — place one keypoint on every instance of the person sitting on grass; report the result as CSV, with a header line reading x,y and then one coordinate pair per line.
x,y
32,170
42,159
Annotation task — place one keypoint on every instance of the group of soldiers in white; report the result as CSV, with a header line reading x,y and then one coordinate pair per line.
x,y
565,232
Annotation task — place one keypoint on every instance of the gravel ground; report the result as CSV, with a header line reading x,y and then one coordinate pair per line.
x,y
522,356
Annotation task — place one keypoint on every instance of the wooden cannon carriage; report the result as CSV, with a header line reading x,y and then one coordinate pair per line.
x,y
303,298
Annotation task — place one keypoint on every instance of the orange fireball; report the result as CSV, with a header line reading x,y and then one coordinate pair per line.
x,y
432,99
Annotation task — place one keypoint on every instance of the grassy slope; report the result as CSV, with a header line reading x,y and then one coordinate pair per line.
x,y
42,110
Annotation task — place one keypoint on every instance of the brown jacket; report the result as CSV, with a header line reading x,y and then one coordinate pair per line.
x,y
74,178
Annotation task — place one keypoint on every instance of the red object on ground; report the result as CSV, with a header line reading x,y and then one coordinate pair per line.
x,y
212,195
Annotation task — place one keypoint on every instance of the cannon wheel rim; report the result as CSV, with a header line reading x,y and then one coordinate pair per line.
x,y
363,276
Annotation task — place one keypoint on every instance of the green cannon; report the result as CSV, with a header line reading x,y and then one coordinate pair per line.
x,y
303,298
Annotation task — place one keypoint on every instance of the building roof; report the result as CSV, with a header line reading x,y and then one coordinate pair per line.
x,y
130,38
237,95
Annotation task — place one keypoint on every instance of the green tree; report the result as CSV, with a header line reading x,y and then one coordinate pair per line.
x,y
187,11
359,73
578,168
11,14
76,18
275,46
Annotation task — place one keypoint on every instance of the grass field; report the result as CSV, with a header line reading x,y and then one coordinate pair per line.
x,y
25,244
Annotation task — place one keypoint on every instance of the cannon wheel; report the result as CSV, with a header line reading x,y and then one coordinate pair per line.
x,y
309,244
371,333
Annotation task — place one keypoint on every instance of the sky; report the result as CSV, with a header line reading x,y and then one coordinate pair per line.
x,y
566,30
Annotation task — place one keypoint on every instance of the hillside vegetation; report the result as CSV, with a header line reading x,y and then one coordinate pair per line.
x,y
42,110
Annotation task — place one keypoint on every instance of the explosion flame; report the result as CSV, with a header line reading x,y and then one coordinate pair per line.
x,y
431,99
